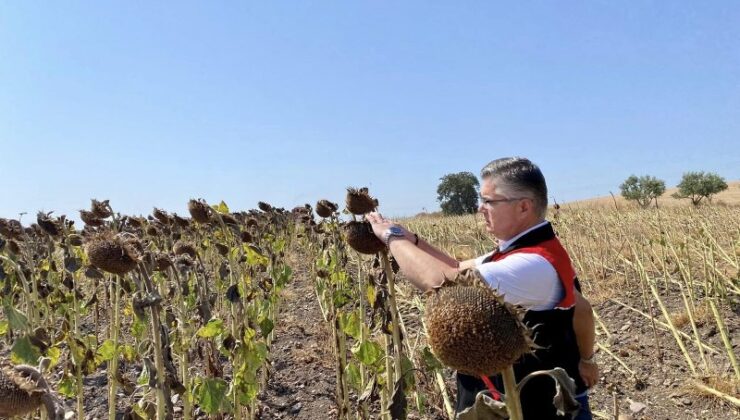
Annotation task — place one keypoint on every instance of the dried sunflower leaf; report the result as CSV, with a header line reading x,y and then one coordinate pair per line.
x,y
485,407
565,390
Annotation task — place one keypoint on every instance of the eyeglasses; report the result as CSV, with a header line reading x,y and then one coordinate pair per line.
x,y
490,203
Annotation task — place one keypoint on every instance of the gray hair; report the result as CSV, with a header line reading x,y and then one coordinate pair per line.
x,y
518,177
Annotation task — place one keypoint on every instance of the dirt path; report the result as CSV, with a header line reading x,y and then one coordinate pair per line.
x,y
302,381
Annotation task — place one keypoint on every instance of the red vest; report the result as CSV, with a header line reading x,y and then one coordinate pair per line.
x,y
557,256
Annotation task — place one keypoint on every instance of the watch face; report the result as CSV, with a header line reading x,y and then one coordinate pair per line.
x,y
396,231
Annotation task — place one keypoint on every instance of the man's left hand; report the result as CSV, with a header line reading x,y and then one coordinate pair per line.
x,y
589,373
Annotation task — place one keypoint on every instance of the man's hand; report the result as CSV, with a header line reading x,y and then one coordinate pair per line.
x,y
589,372
381,224
423,265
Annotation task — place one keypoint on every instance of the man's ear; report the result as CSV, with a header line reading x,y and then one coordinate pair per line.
x,y
526,205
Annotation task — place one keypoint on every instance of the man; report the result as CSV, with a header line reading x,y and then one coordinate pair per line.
x,y
530,268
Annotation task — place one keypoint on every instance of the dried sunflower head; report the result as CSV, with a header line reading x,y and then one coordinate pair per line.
x,y
183,247
325,208
161,261
152,230
299,211
199,210
90,220
74,239
471,328
229,219
221,248
13,247
360,237
180,221
53,227
264,206
101,209
359,201
11,229
23,390
162,216
246,236
113,253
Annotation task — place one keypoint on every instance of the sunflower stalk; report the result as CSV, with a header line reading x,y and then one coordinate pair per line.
x,y
395,329
512,400
725,338
78,370
115,291
164,403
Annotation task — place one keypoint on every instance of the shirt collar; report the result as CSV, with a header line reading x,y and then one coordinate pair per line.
x,y
503,245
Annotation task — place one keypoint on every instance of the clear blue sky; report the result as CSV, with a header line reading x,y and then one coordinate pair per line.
x,y
153,103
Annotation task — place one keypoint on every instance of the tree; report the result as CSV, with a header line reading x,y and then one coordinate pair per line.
x,y
699,185
458,193
644,189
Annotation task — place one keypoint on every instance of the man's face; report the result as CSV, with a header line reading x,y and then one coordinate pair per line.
x,y
505,216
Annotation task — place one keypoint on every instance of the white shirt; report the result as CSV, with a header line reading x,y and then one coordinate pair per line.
x,y
524,279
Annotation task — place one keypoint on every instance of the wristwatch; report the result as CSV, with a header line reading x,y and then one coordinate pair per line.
x,y
394,230
590,360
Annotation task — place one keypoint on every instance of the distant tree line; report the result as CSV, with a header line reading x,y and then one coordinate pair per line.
x,y
695,186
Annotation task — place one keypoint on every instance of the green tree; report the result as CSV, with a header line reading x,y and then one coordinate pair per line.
x,y
458,193
644,189
700,185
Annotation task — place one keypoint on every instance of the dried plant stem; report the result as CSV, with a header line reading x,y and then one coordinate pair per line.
x,y
664,325
234,333
338,366
601,324
394,315
440,382
343,359
642,274
673,329
513,403
184,361
162,392
615,405
78,370
115,288
615,357
387,390
725,338
164,403
687,305
697,337
713,242
734,400
361,296
363,409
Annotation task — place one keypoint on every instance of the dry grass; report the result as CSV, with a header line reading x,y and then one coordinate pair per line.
x,y
701,315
